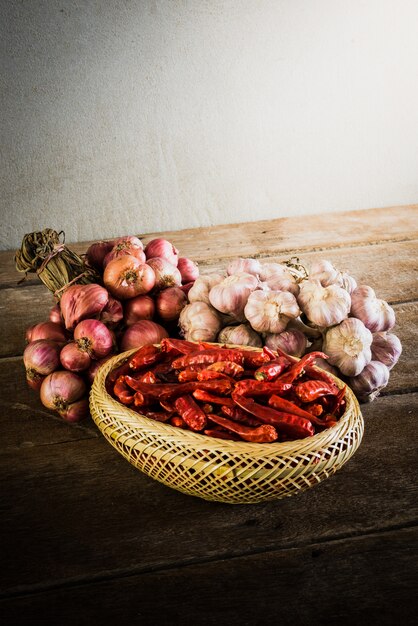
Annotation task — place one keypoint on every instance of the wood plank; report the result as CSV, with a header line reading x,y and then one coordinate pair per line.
x,y
271,237
364,580
84,502
395,281
27,422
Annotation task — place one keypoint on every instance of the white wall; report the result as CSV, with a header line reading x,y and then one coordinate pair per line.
x,y
135,116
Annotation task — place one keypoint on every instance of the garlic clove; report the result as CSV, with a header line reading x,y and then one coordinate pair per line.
x,y
230,296
247,266
199,321
270,311
324,306
199,292
348,346
370,381
377,315
386,348
291,341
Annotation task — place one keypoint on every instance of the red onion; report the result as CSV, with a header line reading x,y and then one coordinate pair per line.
x,y
112,313
139,308
80,302
94,366
97,252
142,333
55,315
169,303
46,330
188,269
163,249
126,277
166,274
41,357
73,358
94,337
60,389
76,411
125,246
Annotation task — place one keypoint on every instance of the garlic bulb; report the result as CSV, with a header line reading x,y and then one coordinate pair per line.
x,y
278,278
199,321
375,314
270,311
242,335
231,295
386,348
292,342
246,266
348,346
324,306
201,287
327,274
368,384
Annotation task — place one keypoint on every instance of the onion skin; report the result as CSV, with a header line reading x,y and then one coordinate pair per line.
x,y
41,357
126,277
162,248
139,308
35,382
55,315
112,313
97,251
46,330
169,303
94,337
124,246
76,411
60,389
188,269
166,274
80,302
74,359
142,333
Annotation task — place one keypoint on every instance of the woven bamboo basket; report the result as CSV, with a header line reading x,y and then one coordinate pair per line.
x,y
222,470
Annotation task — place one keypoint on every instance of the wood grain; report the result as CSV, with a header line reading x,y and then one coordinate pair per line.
x,y
271,237
104,517
349,581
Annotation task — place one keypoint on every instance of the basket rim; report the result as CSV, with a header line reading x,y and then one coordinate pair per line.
x,y
124,416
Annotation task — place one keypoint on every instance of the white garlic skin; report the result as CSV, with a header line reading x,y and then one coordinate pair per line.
x,y
199,321
371,380
246,266
327,274
292,342
270,311
377,315
199,292
231,295
241,335
348,346
324,306
277,277
386,348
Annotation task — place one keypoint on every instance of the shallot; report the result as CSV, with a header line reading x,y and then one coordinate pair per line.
x,y
162,248
139,308
166,274
40,358
188,269
126,277
73,358
80,302
169,303
97,251
60,390
94,337
123,246
142,333
46,330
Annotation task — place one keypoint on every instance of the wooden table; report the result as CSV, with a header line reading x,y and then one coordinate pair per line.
x,y
88,539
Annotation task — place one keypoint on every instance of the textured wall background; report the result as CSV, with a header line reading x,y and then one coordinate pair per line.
x,y
135,116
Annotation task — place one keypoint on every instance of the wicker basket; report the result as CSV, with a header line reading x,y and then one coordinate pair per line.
x,y
223,470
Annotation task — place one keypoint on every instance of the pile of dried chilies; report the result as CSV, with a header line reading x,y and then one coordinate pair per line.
x,y
258,396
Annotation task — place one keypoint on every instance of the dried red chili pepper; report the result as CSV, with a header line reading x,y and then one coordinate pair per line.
x,y
290,424
272,370
178,422
315,373
145,356
298,368
148,377
208,357
239,415
122,391
313,389
121,370
227,367
158,416
220,434
205,396
261,434
288,407
191,412
251,387
177,346
187,375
